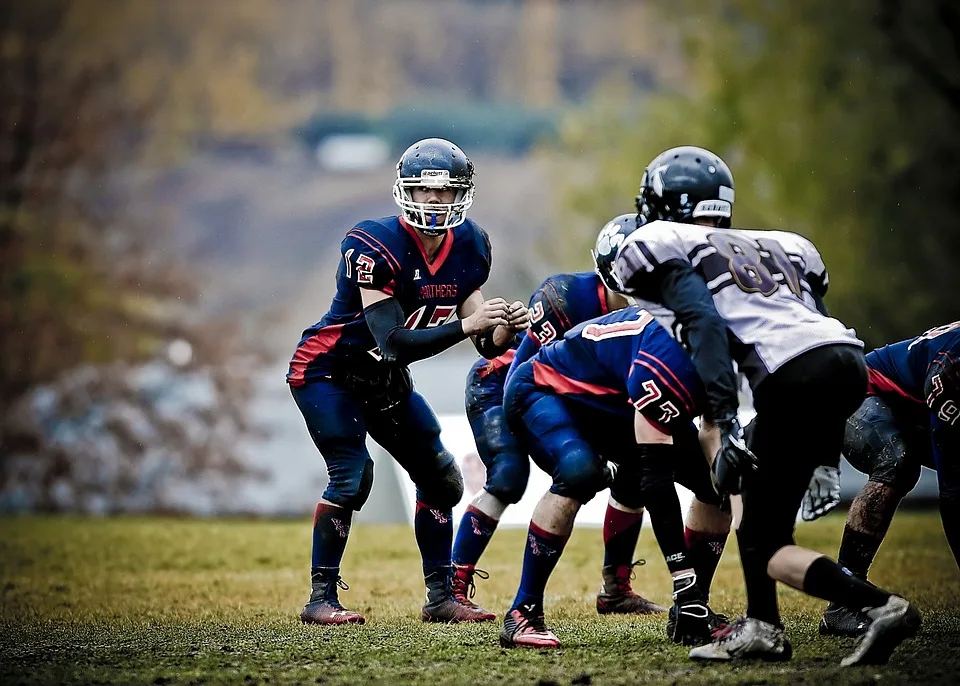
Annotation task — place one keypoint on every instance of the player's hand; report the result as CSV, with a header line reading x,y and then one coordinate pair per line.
x,y
823,493
734,462
490,314
518,318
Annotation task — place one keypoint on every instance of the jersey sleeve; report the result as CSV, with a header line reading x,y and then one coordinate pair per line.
x,y
653,265
815,271
549,318
367,262
643,254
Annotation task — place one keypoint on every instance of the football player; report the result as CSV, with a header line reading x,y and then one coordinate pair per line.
x,y
907,421
756,297
616,388
561,302
408,287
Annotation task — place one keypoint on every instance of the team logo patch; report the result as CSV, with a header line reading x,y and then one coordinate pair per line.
x,y
342,529
538,548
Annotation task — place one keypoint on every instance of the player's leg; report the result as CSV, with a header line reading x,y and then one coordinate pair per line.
x,y
621,531
707,524
888,451
787,456
411,434
336,424
507,469
548,431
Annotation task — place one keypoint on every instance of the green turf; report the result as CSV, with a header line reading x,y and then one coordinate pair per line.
x,y
210,601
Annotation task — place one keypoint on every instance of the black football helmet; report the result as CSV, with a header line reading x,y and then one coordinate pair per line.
x,y
684,184
434,163
609,240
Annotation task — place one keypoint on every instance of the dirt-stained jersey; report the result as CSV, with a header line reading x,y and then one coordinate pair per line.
x,y
765,285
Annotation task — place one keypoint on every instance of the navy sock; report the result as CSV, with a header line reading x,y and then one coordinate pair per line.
x,y
620,533
331,526
474,533
705,550
433,528
539,559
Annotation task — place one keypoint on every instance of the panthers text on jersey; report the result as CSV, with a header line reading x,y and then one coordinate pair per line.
x,y
623,362
765,284
387,255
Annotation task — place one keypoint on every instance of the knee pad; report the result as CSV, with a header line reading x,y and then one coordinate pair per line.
x,y
874,445
579,475
507,477
626,487
353,494
442,488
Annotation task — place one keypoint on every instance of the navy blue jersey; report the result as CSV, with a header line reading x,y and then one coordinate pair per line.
x,y
387,255
920,371
560,303
621,363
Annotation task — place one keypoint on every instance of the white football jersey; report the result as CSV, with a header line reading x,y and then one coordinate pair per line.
x,y
762,283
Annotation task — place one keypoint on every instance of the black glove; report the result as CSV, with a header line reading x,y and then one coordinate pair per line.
x,y
688,621
734,462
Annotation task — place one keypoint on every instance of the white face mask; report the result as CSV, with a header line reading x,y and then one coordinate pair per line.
x,y
433,218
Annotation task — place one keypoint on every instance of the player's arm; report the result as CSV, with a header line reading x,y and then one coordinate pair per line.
x,y
546,324
492,324
673,282
942,389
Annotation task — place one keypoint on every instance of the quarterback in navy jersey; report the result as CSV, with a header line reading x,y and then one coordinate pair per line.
x,y
756,297
408,287
908,421
616,388
559,303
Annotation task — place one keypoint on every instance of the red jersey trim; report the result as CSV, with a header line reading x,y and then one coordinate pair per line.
x,y
545,375
378,246
497,363
440,257
319,343
602,294
878,384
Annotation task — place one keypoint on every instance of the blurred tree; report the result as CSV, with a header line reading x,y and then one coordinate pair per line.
x,y
818,109
83,280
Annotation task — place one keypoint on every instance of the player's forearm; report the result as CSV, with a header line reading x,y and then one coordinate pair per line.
x,y
490,345
706,333
402,345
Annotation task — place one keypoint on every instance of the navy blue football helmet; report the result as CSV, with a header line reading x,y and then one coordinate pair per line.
x,y
434,163
684,184
609,240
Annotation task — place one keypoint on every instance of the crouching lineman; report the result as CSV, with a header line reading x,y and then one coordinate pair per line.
x,y
756,297
617,387
401,283
908,421
561,302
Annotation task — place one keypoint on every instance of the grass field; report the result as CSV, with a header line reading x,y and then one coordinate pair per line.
x,y
211,601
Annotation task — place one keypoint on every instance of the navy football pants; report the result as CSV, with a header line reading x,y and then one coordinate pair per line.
x,y
506,462
339,422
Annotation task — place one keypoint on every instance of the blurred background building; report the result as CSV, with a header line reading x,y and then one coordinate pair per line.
x,y
175,178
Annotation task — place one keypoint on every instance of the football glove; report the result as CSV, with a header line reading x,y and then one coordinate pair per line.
x,y
823,493
734,461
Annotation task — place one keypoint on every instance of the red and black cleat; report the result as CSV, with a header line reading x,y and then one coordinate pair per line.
x,y
444,604
617,596
526,627
464,588
324,607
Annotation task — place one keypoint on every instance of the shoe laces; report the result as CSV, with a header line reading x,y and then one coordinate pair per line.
x,y
536,622
466,587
